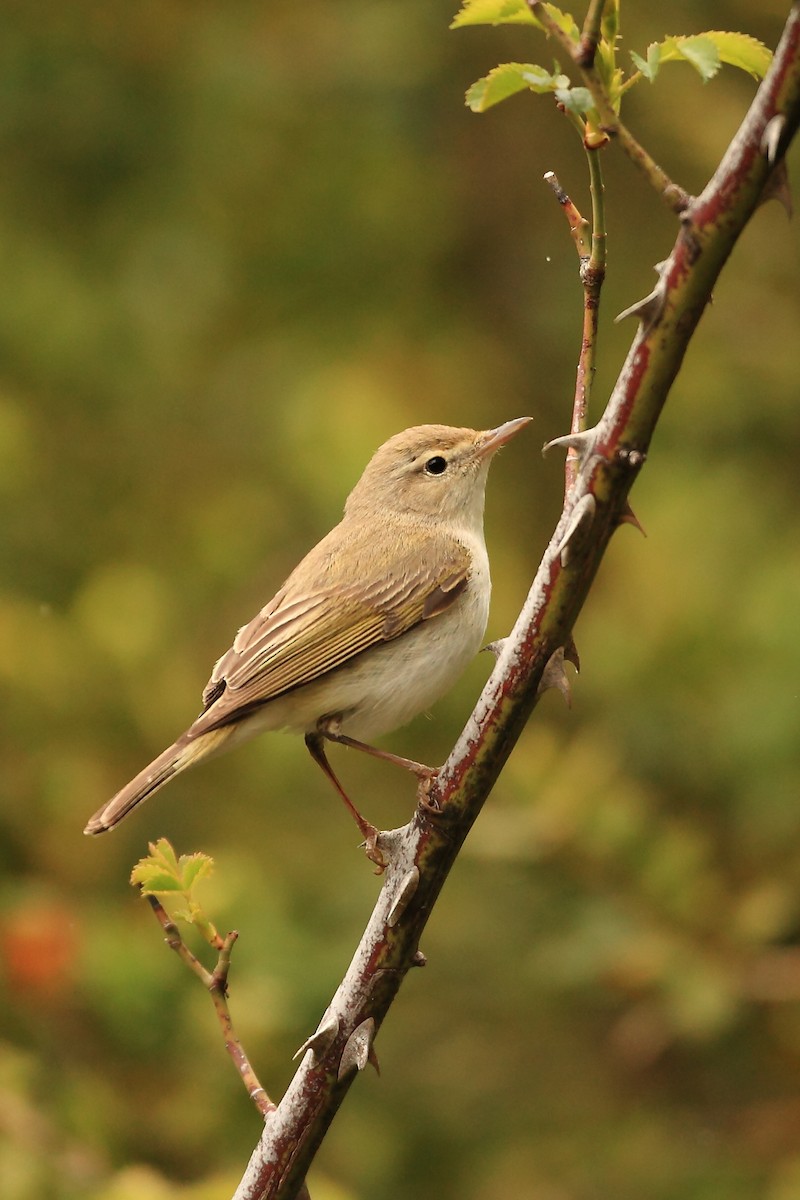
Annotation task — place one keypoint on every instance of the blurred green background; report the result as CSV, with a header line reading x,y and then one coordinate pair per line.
x,y
243,244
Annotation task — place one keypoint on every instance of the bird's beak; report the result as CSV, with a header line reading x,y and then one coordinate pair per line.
x,y
493,439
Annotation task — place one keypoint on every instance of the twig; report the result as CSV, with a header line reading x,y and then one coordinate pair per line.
x,y
216,982
590,34
592,255
673,196
592,278
578,225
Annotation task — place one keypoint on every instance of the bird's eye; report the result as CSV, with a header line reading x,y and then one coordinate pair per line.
x,y
436,465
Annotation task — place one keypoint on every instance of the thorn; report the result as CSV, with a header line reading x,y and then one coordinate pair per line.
x,y
771,138
495,647
554,676
324,1037
571,655
777,187
373,1061
406,889
419,959
580,520
582,443
629,517
651,307
355,1055
647,310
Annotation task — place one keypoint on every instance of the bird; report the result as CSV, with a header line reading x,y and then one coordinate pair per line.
x,y
373,625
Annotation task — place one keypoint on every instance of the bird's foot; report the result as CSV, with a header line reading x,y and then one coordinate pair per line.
x,y
424,798
371,847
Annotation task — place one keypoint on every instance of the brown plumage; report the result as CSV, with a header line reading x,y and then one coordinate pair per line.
x,y
371,627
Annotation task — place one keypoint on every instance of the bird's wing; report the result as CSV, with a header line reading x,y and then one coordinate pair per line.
x,y
305,632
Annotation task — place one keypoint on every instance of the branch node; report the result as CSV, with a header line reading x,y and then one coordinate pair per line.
x,y
357,1050
408,886
584,56
677,198
419,959
629,457
322,1039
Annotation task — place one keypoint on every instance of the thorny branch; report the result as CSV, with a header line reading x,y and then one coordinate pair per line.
x,y
421,854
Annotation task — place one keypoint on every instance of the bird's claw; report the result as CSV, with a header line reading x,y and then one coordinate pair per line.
x,y
372,849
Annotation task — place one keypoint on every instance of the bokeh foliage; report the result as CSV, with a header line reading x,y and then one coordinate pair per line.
x,y
243,244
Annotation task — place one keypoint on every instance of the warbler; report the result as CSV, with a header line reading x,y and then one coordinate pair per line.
x,y
375,623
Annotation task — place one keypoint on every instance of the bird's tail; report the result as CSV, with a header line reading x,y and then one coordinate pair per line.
x,y
182,754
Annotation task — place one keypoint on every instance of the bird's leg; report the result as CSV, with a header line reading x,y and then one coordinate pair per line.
x,y
316,748
419,769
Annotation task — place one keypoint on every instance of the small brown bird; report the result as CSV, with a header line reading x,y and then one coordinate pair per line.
x,y
375,623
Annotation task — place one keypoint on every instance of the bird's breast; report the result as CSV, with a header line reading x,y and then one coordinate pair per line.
x,y
388,684
396,681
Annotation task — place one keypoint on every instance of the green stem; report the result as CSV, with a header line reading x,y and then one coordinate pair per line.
x,y
671,193
597,261
593,274
630,82
673,196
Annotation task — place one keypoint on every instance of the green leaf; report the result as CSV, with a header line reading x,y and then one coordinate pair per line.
x,y
609,26
648,67
159,871
493,12
576,100
162,851
701,52
508,79
195,867
564,20
742,51
162,871
707,52
152,880
610,73
510,12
